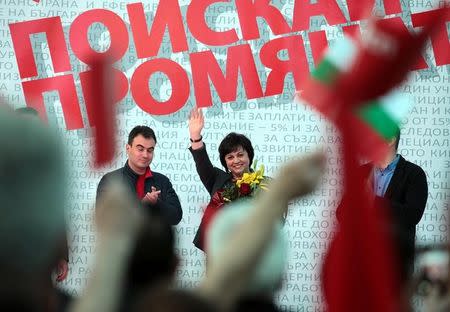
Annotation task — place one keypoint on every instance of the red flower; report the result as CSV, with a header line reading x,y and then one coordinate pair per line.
x,y
245,189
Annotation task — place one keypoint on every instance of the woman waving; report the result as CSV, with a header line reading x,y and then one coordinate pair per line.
x,y
236,156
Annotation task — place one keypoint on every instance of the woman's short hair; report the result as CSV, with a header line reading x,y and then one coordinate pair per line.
x,y
231,143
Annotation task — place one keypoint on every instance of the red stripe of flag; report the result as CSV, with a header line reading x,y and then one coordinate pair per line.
x,y
103,115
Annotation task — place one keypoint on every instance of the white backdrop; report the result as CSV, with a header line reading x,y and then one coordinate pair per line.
x,y
278,128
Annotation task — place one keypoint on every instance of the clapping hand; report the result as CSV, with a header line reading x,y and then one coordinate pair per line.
x,y
151,197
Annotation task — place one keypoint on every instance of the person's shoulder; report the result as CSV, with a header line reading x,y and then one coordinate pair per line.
x,y
107,178
115,172
159,176
410,166
111,174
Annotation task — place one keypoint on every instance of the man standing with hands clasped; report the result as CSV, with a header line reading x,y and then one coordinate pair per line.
x,y
153,189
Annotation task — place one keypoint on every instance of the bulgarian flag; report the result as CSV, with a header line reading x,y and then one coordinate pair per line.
x,y
337,59
385,114
319,90
377,121
352,87
359,273
357,76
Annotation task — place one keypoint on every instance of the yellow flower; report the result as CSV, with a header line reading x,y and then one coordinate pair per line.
x,y
252,178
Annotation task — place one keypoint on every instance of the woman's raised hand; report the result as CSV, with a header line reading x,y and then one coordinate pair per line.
x,y
196,123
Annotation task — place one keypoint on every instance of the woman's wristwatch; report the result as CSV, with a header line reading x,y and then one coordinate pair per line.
x,y
196,141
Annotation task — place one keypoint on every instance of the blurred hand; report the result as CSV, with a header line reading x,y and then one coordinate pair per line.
x,y
299,176
151,197
117,212
196,123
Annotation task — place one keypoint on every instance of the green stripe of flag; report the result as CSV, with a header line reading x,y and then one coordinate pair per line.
x,y
396,105
338,58
374,114
325,72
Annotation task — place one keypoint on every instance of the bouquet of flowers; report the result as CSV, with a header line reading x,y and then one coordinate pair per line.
x,y
245,186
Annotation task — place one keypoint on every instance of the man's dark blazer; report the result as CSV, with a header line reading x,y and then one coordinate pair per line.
x,y
407,195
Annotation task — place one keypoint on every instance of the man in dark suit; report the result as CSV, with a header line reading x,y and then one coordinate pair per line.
x,y
153,189
403,186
